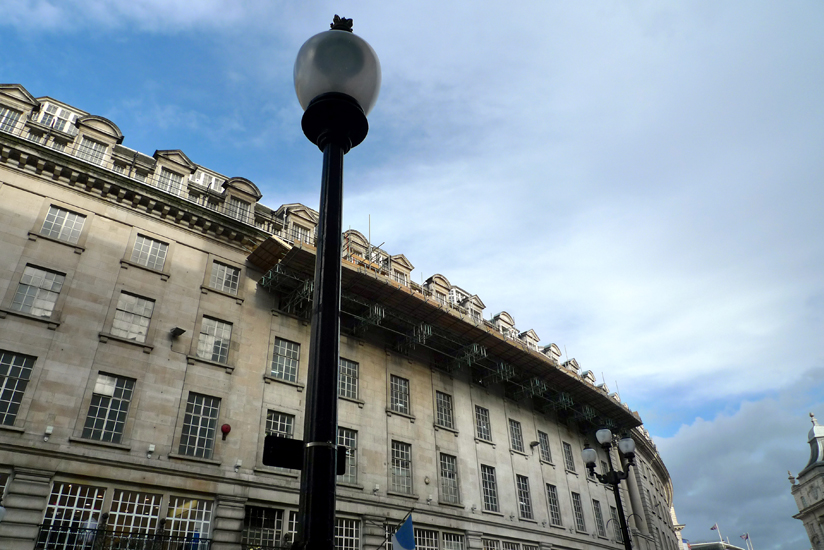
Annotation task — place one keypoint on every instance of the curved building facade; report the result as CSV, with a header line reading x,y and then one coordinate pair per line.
x,y
154,327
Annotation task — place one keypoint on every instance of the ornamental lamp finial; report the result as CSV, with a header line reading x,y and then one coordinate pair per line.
x,y
341,24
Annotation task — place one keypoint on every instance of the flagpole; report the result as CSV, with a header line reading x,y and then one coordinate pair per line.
x,y
387,535
719,533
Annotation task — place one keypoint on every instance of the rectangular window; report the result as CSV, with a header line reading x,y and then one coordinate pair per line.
x,y
524,498
578,509
15,373
285,360
280,424
516,437
58,118
72,505
8,119
554,505
238,209
402,467
262,527
189,518
443,402
453,541
349,439
426,539
109,408
169,181
300,234
198,435
543,440
37,292
63,225
491,544
399,394
400,277
133,512
58,145
604,468
506,545
449,479
132,317
149,253
347,534
599,519
91,150
490,488
224,278
482,423
348,379
213,344
569,460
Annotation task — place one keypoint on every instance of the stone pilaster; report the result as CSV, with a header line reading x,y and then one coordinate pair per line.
x,y
373,532
474,540
229,514
26,497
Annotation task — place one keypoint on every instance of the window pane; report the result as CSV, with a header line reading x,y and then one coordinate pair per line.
x,y
524,498
543,439
490,488
169,181
569,461
599,518
516,437
348,379
401,467
482,423
149,252
349,439
285,360
109,408
443,402
554,505
132,317
134,512
399,394
449,479
91,150
190,518
8,119
38,291
578,509
262,527
224,278
15,373
63,225
347,534
213,344
198,435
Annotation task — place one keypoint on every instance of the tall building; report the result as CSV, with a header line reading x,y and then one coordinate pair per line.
x,y
808,491
154,322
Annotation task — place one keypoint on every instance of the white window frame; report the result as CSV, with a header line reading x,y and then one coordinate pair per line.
x,y
489,489
401,467
450,485
444,410
516,436
555,517
545,451
285,360
399,394
578,511
38,291
569,459
197,437
62,225
224,278
109,408
214,340
149,252
525,509
132,317
91,150
15,375
348,438
8,119
483,426
348,379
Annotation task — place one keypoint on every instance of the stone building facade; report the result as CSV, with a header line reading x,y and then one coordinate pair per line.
x,y
808,490
154,327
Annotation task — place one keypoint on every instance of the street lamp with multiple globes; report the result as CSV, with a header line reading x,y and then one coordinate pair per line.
x,y
337,79
627,447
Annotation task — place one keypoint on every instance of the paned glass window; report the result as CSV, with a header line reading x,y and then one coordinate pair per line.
x,y
198,435
349,439
554,505
524,498
399,394
569,460
189,518
400,277
490,488
224,278
169,181
149,252
347,534
133,512
58,118
238,209
63,225
578,510
15,373
300,233
452,541
507,545
58,145
543,440
132,317
37,292
401,467
285,360
8,119
599,519
482,424
280,424
91,150
262,527
348,379
72,505
426,539
443,402
215,336
449,479
516,436
109,408
491,544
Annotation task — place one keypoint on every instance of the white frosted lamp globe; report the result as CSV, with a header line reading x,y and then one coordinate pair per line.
x,y
589,455
338,61
603,436
626,445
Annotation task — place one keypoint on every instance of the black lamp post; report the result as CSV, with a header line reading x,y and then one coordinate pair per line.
x,y
627,447
337,78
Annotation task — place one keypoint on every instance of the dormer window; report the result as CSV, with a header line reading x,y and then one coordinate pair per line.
x,y
169,181
300,233
58,118
400,277
91,150
8,119
238,209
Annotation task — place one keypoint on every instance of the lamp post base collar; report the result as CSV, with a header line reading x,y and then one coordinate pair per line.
x,y
335,117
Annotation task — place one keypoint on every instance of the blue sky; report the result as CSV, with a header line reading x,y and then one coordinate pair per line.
x,y
640,183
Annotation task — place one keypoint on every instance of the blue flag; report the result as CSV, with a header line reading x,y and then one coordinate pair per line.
x,y
404,537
